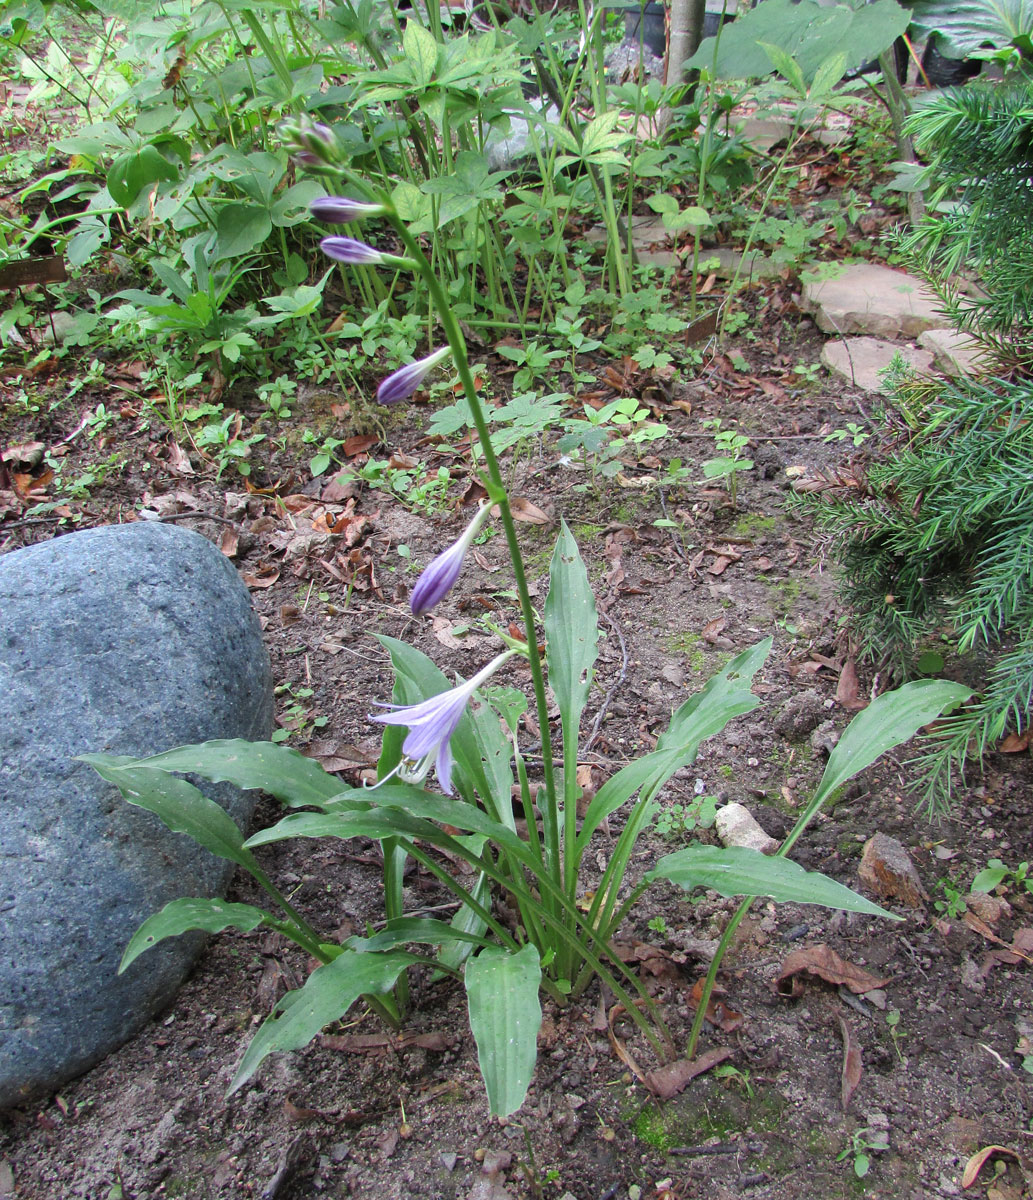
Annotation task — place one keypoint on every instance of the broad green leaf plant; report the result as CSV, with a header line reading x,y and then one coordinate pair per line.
x,y
563,938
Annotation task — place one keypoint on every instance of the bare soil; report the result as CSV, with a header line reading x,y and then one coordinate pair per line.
x,y
365,1114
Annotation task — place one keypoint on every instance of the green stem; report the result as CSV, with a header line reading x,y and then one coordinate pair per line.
x,y
497,494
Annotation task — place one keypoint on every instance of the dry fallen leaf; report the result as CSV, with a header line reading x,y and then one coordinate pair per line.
x,y
228,541
1014,743
851,1064
524,510
978,1160
179,461
718,1013
826,964
263,576
848,690
668,1081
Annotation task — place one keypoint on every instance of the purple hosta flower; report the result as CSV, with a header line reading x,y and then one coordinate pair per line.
x,y
339,210
431,724
401,384
441,573
352,251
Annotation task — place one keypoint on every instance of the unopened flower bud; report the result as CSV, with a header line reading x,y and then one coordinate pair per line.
x,y
403,382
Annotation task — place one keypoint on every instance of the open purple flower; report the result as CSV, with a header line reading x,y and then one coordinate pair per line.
x,y
403,382
352,251
431,724
339,210
440,574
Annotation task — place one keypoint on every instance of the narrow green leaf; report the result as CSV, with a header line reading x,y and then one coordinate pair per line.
x,y
182,807
786,66
326,996
724,696
739,872
890,719
282,772
423,930
828,75
505,1016
571,629
181,916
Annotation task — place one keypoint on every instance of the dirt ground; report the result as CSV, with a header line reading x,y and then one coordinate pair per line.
x,y
939,1045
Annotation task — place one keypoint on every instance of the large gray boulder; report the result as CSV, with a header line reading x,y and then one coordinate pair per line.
x,y
128,639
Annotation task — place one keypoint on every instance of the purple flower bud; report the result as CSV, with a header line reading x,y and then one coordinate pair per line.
x,y
403,382
431,725
338,210
350,250
309,142
440,574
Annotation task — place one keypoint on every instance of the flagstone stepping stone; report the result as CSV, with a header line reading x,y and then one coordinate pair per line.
x,y
129,639
954,352
873,299
861,360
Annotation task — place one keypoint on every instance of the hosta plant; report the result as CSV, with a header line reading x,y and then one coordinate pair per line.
x,y
561,940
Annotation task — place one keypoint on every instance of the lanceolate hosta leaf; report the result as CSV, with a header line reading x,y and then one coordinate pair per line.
x,y
327,995
278,770
181,916
725,696
890,719
571,631
505,1016
178,803
739,872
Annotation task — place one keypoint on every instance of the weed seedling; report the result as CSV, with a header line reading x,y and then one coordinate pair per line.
x,y
952,905
995,875
896,1033
861,1145
729,445
853,433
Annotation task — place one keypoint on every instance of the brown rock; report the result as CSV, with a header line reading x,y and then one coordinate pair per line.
x,y
988,908
887,871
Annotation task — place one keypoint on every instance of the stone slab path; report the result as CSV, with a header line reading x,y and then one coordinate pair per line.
x,y
867,298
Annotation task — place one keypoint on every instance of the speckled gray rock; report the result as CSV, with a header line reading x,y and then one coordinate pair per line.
x,y
129,639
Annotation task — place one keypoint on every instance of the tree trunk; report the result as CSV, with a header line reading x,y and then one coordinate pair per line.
x,y
686,35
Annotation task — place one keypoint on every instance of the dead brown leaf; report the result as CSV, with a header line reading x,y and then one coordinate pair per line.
x,y
264,575
359,443
443,632
364,1043
333,755
851,1064
25,485
27,455
618,1047
718,1013
228,541
179,460
848,690
668,1081
978,1160
824,962
1014,743
524,510
718,566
